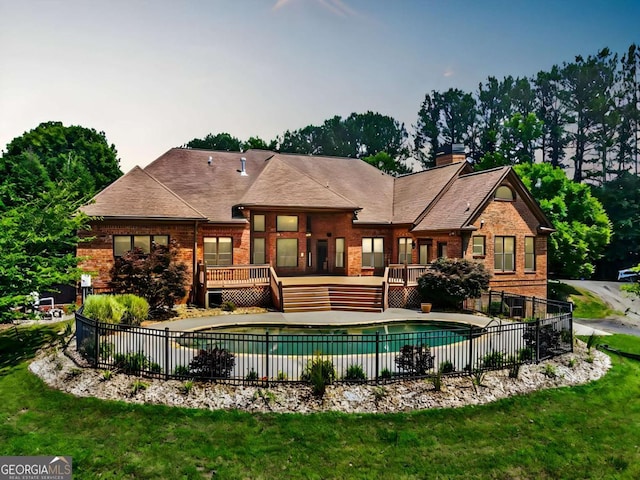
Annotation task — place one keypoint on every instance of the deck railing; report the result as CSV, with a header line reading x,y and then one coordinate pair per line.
x,y
235,275
265,358
405,274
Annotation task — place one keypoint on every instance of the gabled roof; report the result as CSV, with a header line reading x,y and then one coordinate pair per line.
x,y
363,184
211,188
415,192
467,197
283,184
457,206
139,195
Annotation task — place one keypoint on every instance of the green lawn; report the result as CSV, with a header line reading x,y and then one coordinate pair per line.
x,y
586,304
590,431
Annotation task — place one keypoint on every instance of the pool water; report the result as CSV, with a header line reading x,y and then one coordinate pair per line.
x,y
348,340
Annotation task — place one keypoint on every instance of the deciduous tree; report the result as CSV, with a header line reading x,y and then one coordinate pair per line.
x,y
582,227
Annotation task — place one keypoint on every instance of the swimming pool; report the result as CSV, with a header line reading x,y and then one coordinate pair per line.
x,y
342,340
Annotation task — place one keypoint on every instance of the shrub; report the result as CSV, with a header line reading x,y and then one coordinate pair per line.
x,y
493,359
550,370
157,276
415,359
446,367
136,309
181,371
228,306
187,387
252,376
385,374
138,386
450,281
282,376
355,373
212,363
116,309
133,363
549,339
526,354
106,375
379,393
319,373
436,380
514,366
103,308
592,341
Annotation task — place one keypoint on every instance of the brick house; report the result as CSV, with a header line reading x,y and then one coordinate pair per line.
x,y
243,219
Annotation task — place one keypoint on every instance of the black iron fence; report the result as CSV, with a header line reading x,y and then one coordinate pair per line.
x,y
384,356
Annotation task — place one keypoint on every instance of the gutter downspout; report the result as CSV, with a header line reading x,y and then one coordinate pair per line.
x,y
194,285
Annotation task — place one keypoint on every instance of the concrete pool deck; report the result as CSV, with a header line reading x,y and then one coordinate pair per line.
x,y
334,318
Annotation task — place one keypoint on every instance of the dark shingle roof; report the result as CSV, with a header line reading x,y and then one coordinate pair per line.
x,y
139,195
183,184
415,192
459,204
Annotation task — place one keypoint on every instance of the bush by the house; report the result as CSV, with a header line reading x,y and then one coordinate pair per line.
x,y
156,276
415,359
450,281
214,363
116,309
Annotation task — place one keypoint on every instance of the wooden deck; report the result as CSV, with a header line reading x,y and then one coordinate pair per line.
x,y
310,292
330,280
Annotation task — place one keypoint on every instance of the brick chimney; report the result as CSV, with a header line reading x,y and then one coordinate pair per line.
x,y
448,154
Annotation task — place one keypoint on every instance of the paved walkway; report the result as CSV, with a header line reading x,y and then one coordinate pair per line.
x,y
335,318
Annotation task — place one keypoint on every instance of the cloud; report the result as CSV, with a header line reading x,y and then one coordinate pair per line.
x,y
337,7
448,73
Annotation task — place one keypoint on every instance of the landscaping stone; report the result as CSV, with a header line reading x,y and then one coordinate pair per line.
x,y
65,370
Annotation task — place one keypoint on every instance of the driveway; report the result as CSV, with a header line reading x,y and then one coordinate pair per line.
x,y
627,305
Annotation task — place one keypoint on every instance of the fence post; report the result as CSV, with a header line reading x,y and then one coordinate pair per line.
x,y
166,353
502,301
533,307
96,326
267,354
470,349
489,311
377,356
537,340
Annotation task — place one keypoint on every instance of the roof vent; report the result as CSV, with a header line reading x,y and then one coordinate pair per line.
x,y
243,167
210,161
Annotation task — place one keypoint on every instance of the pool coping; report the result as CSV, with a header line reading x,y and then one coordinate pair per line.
x,y
324,318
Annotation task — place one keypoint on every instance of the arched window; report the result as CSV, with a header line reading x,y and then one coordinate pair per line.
x,y
505,193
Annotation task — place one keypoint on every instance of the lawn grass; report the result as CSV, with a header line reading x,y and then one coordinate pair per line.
x,y
586,304
589,431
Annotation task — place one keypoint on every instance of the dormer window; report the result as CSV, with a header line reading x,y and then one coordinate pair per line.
x,y
505,194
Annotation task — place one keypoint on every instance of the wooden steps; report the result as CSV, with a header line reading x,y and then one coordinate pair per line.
x,y
316,298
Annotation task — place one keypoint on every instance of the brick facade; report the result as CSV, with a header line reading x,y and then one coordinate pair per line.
x,y
317,234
